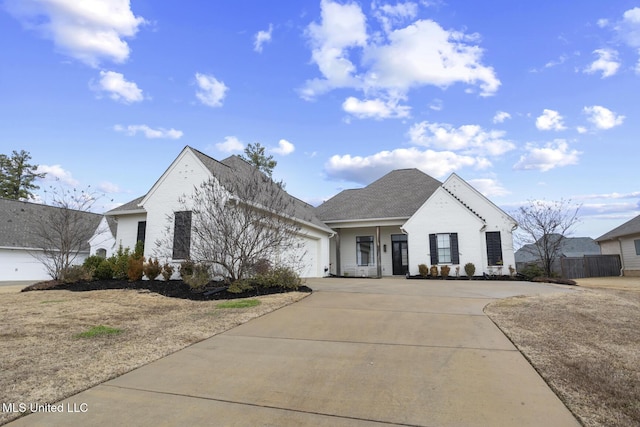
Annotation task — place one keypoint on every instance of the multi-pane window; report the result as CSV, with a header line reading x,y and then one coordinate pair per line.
x,y
637,243
494,248
364,250
182,235
142,231
444,248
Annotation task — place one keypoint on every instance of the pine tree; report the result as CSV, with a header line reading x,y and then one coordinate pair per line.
x,y
17,176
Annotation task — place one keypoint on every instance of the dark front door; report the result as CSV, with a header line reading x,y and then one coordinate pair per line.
x,y
400,254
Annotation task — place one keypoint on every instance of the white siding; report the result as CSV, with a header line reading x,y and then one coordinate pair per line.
x,y
441,213
128,232
631,259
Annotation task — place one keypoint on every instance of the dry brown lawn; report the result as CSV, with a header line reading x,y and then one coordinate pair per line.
x,y
42,361
585,344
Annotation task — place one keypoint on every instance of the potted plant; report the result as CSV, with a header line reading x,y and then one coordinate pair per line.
x,y
434,271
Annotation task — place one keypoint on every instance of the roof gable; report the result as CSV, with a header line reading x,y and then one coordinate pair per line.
x,y
630,227
398,194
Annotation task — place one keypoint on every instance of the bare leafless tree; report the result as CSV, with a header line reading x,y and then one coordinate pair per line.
x,y
236,223
542,227
62,231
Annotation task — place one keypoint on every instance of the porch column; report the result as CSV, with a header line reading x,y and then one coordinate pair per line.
x,y
378,254
337,236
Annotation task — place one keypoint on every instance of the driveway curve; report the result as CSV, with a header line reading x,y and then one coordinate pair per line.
x,y
357,352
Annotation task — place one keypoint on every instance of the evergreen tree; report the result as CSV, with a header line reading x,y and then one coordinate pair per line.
x,y
255,154
17,176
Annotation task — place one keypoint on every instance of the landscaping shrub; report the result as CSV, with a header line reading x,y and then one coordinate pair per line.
x,y
92,262
531,271
199,277
103,271
167,271
444,270
135,268
76,273
120,263
152,269
186,268
469,269
240,286
434,271
283,277
423,270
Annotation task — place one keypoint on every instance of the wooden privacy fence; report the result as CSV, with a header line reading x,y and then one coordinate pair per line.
x,y
590,266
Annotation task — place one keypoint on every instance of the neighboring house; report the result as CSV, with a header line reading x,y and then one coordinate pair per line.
x,y
407,218
20,245
570,247
146,218
625,242
103,241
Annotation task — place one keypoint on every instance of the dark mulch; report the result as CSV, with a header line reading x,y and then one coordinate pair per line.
x,y
172,288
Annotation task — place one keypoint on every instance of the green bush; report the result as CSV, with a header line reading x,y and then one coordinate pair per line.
x,y
120,263
103,271
423,270
76,273
199,277
531,271
469,269
240,286
92,262
186,268
152,269
282,277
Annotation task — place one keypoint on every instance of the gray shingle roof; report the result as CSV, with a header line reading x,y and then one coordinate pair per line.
x,y
569,247
129,206
398,194
630,227
17,219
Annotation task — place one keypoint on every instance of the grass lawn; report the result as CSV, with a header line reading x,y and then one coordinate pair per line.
x,y
57,343
586,345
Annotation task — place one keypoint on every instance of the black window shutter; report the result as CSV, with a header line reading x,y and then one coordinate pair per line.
x,y
494,247
433,246
142,231
455,255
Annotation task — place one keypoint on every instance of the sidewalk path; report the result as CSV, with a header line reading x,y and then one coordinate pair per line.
x,y
357,352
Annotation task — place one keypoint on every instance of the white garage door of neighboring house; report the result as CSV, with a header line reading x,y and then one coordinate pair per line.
x,y
20,265
310,258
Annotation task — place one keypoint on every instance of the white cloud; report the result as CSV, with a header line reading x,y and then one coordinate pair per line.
x,y
607,63
470,139
553,155
212,91
230,144
261,38
89,30
422,53
392,15
148,132
375,108
603,23
364,170
581,129
436,104
489,187
501,116
550,120
629,27
118,88
57,173
603,118
109,187
284,148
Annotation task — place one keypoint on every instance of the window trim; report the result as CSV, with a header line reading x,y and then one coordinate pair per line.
x,y
636,242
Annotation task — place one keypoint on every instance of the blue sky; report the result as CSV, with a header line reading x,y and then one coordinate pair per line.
x,y
524,100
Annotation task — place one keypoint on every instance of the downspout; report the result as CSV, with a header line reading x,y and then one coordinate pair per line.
x,y
378,254
338,269
621,257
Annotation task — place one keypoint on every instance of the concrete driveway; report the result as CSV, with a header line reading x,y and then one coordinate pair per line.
x,y
357,352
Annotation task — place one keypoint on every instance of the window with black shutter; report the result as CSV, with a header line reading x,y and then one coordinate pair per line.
x,y
494,248
444,248
142,231
182,235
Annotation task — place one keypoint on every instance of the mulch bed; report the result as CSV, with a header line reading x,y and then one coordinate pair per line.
x,y
172,288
